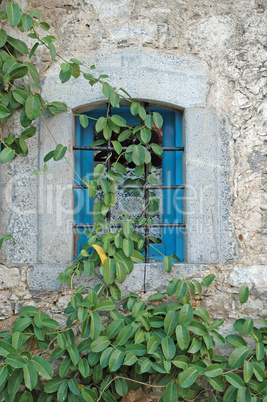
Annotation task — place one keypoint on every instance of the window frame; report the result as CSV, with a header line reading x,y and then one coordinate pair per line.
x,y
172,146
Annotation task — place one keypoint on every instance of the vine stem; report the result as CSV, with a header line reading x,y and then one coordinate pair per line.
x,y
128,379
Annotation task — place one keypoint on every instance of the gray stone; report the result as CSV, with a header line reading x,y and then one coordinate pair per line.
x,y
9,277
44,277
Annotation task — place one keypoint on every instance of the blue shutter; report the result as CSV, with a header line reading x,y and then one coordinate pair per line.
x,y
171,175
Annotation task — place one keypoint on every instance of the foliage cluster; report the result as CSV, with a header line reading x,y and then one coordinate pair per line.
x,y
171,342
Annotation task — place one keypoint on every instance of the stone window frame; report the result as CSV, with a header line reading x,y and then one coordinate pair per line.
x,y
179,84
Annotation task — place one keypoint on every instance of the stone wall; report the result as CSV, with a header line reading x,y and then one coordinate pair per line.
x,y
221,48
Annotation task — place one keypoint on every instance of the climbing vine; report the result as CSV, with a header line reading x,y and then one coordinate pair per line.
x,y
166,342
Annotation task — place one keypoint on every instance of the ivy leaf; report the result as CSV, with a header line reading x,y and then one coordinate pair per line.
x,y
52,50
170,394
118,120
59,152
43,367
7,154
158,120
45,26
167,261
26,20
156,149
106,89
20,46
35,46
243,294
117,146
207,280
4,112
32,107
188,377
16,73
28,133
83,120
138,154
20,95
100,124
13,14
145,135
234,380
30,375
134,108
65,72
33,72
3,37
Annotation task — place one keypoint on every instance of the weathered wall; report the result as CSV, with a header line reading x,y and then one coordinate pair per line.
x,y
228,38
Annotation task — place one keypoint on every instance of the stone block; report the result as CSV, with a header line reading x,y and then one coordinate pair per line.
x,y
44,277
9,277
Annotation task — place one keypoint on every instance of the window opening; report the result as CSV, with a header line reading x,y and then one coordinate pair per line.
x,y
132,195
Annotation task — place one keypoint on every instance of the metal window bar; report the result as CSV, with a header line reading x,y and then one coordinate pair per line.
x,y
146,189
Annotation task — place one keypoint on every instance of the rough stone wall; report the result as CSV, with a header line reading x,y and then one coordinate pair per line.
x,y
230,38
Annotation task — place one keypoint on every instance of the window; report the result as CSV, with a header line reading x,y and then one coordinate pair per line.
x,y
164,199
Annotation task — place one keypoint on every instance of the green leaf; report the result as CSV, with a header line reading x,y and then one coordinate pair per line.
x,y
158,120
13,14
247,327
117,146
235,340
53,385
15,360
64,367
188,377
14,382
156,149
124,135
74,354
168,348
84,368
238,356
17,340
105,305
145,365
95,325
21,324
120,168
43,367
216,382
181,290
128,229
28,133
247,371
109,271
52,50
124,335
181,362
65,72
118,120
128,247
207,280
234,380
130,359
33,49
88,394
149,121
156,296
137,257
167,261
45,26
20,46
134,108
186,314
106,89
3,37
89,267
182,336
4,112
170,394
20,95
145,135
114,176
32,107
121,272
23,146
18,72
243,294
260,351
73,386
121,386
59,152
170,322
26,20
98,171
100,124
6,155
82,313
172,286
33,72
258,372
214,370
152,344
30,375
116,360
83,120
138,154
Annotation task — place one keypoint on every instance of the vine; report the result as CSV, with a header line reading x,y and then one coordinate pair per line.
x,y
165,338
